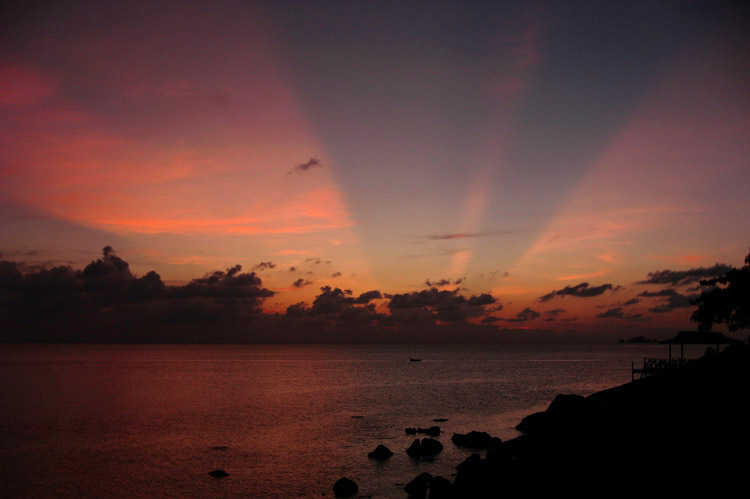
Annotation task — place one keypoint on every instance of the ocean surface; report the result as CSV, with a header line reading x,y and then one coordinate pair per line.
x,y
283,421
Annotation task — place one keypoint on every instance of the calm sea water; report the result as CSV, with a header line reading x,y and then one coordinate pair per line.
x,y
283,421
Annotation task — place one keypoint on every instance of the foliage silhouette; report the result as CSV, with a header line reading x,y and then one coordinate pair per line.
x,y
727,302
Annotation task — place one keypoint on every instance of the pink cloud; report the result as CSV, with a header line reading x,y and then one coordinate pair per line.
x,y
20,87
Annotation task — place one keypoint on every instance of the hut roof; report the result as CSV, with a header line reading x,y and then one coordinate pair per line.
x,y
700,338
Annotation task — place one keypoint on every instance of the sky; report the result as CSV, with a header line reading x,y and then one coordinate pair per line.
x,y
436,170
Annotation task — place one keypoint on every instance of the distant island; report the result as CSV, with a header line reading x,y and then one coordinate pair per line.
x,y
637,339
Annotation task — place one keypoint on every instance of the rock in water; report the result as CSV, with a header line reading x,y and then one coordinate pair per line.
x,y
563,411
344,487
566,403
441,488
218,473
380,452
414,449
417,488
430,446
475,440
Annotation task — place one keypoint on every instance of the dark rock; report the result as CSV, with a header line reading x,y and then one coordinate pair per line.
x,y
499,457
441,488
380,452
220,447
566,403
439,420
218,473
564,410
470,465
533,422
475,440
417,488
430,446
426,447
415,449
410,431
345,487
473,476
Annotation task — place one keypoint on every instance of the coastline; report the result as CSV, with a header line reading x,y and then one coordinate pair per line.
x,y
674,433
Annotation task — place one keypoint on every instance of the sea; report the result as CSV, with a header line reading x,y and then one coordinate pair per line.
x,y
97,420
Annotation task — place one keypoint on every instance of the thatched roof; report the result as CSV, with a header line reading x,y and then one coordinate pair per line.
x,y
700,338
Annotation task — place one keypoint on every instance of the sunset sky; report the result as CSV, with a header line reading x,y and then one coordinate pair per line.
x,y
553,155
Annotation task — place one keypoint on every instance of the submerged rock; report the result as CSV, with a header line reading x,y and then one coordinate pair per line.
x,y
345,487
440,420
432,431
218,473
380,452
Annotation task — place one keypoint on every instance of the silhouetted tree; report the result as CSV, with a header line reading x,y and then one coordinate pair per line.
x,y
727,302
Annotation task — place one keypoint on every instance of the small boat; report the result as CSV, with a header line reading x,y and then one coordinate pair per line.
x,y
412,359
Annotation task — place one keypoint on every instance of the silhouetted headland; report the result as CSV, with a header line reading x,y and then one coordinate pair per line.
x,y
665,435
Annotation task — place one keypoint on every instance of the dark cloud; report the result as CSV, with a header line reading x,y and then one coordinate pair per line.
x,y
109,273
301,283
433,305
615,313
368,296
292,269
551,315
630,302
683,277
469,235
443,282
525,315
618,313
308,165
264,266
230,283
638,317
105,298
582,290
335,308
482,299
336,274
316,260
671,300
332,300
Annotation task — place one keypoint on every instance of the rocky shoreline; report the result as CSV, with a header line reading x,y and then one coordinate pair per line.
x,y
666,435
